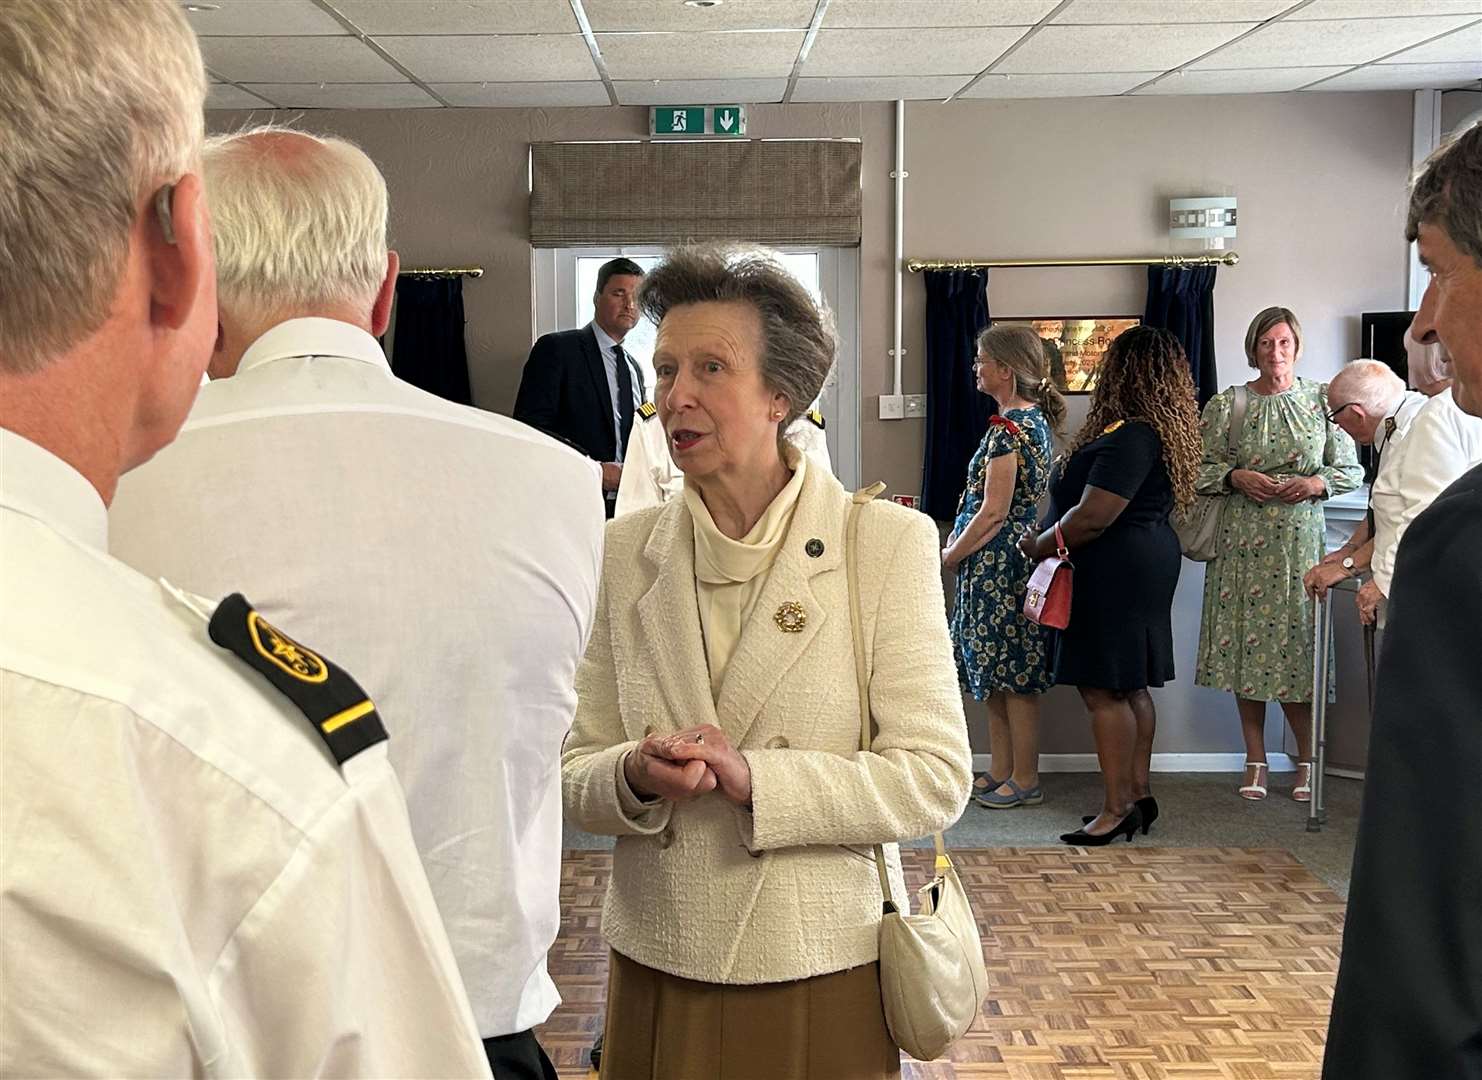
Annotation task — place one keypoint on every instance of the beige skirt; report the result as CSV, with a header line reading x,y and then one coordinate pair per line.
x,y
662,1027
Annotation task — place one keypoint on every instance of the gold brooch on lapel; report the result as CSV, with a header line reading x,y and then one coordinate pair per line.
x,y
791,618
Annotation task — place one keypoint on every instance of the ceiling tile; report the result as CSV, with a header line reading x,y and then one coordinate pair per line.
x,y
347,95
225,96
907,52
699,91
930,88
1081,84
1405,77
1241,81
1348,41
506,95
296,59
1093,12
1460,47
916,13
253,18
516,58
606,15
743,54
1370,9
462,17
1147,47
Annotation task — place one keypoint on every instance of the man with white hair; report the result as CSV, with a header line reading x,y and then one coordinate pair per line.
x,y
196,879
448,555
1408,1001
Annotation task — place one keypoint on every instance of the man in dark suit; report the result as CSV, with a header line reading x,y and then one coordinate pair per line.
x,y
1409,996
580,385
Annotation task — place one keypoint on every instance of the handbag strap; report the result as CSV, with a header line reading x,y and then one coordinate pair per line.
x,y
861,674
1237,421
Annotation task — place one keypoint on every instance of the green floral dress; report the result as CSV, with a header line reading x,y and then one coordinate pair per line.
x,y
1256,636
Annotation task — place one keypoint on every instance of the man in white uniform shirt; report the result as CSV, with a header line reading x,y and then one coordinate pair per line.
x,y
194,882
1423,443
447,556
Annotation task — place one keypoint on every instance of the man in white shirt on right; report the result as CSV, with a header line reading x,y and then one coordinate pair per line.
x,y
448,556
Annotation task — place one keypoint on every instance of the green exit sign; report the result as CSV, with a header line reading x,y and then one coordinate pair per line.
x,y
697,121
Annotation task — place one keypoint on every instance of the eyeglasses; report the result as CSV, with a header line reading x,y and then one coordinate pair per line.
x,y
1333,415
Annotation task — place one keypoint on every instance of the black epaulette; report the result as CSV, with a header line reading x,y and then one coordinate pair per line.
x,y
341,712
816,417
648,410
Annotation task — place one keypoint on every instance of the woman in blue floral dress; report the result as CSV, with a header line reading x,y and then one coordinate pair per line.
x,y
1001,655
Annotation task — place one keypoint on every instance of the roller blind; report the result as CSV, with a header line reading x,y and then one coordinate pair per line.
x,y
772,192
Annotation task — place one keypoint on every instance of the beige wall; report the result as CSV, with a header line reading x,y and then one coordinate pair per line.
x,y
1319,177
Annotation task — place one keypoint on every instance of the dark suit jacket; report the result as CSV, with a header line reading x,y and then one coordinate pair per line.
x,y
1409,996
563,391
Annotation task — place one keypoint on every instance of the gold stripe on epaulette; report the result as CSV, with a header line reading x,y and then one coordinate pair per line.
x,y
648,410
347,716
816,416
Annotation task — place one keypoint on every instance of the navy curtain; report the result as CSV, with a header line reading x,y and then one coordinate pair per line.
x,y
956,414
429,351
1181,300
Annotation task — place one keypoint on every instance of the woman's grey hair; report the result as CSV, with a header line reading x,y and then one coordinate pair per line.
x,y
1262,324
1020,349
1448,193
102,107
798,340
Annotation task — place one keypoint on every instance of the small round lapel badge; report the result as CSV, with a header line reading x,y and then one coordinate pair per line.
x,y
814,548
791,618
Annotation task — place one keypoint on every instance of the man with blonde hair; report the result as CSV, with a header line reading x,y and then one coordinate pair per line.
x,y
196,880
448,555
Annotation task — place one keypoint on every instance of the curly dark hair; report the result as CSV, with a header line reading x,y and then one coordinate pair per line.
x,y
1145,376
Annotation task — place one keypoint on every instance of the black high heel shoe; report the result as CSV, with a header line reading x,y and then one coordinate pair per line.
x,y
1149,807
1126,827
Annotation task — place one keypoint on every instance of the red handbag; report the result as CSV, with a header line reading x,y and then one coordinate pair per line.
x,y
1048,599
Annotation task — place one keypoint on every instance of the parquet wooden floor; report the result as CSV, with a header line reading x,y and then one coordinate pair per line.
x,y
1128,962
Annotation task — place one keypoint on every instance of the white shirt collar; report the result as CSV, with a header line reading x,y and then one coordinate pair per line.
x,y
314,337
37,483
604,339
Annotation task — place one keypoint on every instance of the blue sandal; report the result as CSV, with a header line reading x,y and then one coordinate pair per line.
x,y
1017,797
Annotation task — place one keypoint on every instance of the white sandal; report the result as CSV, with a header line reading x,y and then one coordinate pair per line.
x,y
1302,792
1256,790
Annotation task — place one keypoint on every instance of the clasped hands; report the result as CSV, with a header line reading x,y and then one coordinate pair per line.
x,y
1258,487
684,764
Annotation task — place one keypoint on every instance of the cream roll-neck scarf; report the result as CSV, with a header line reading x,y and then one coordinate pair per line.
x,y
730,574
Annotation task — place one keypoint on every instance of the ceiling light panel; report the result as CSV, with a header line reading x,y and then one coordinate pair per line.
x,y
253,18
296,59
689,91
518,58
1080,84
929,88
347,95
867,53
743,54
1148,47
609,15
875,14
520,95
1371,9
462,17
1406,77
1348,41
1241,81
1095,12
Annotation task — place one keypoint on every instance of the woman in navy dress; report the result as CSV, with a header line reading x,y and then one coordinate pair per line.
x,y
1133,461
1001,656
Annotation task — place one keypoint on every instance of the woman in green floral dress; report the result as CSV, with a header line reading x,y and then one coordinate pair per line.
x,y
1256,640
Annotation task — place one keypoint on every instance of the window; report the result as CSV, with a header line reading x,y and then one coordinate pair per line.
x,y
566,280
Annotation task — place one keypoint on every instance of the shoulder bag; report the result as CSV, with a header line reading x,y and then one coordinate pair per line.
x,y
932,977
1199,530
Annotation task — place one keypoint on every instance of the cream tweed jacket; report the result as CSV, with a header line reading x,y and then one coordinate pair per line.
x,y
702,889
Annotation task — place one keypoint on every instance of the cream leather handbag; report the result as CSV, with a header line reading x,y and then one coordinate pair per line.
x,y
932,977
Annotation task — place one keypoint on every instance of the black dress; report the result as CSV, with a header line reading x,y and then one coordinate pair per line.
x,y
1120,635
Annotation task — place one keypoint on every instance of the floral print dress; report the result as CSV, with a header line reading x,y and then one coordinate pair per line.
x,y
996,647
1256,635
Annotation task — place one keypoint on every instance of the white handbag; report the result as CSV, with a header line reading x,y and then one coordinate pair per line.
x,y
932,977
1199,530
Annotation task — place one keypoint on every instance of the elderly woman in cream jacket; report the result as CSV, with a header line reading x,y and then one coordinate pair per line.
x,y
717,733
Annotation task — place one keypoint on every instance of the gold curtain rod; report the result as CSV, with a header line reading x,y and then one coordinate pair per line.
x,y
442,271
1229,258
